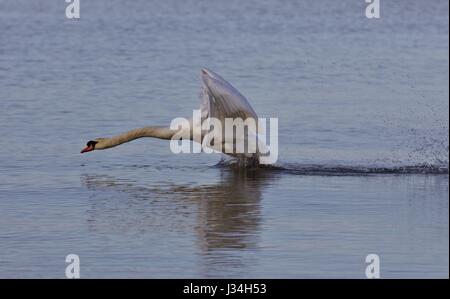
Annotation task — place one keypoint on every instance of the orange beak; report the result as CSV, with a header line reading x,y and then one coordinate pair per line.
x,y
87,149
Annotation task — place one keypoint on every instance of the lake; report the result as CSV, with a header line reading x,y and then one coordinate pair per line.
x,y
363,139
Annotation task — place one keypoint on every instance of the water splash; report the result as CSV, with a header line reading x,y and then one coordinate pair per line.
x,y
340,169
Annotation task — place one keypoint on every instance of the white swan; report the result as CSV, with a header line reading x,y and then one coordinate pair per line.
x,y
219,99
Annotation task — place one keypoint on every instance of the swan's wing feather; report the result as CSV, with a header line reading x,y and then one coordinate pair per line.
x,y
221,100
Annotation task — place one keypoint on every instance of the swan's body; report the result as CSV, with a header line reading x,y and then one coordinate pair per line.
x,y
219,99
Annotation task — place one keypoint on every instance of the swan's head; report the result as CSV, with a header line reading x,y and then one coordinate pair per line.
x,y
96,144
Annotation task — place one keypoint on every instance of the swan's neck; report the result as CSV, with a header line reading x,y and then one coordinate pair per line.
x,y
156,132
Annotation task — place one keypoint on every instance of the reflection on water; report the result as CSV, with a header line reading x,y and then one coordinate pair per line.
x,y
228,212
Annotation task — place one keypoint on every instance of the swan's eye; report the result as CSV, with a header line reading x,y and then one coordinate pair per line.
x,y
91,143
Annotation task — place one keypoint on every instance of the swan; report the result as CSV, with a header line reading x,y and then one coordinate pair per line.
x,y
219,100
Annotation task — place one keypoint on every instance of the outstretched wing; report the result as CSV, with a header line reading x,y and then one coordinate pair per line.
x,y
221,100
